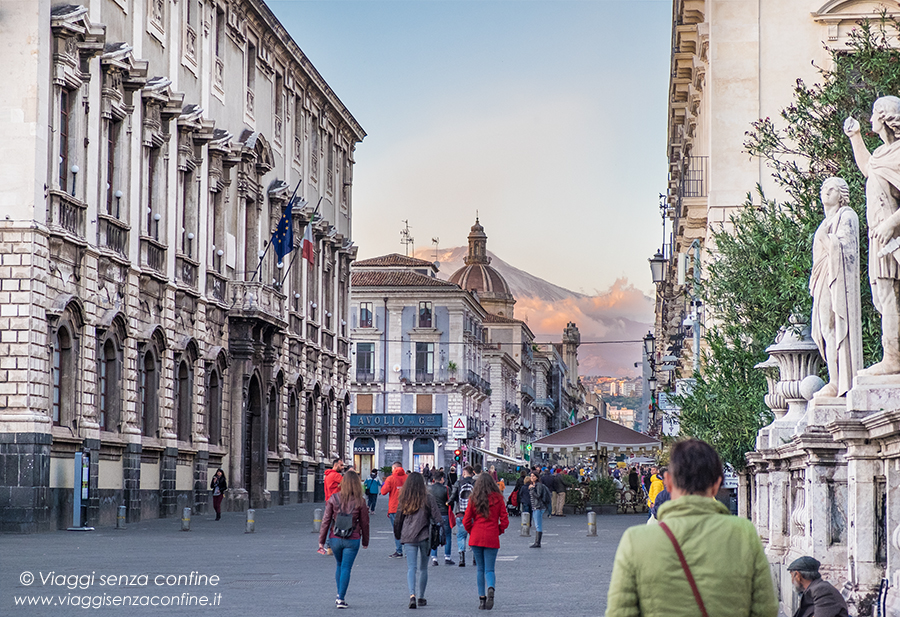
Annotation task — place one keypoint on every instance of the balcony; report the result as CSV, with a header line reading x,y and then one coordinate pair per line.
x,y
511,408
113,234
528,391
480,383
545,403
216,286
66,214
369,376
153,255
417,376
695,174
253,300
186,271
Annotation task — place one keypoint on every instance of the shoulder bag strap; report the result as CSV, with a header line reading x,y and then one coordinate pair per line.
x,y
687,570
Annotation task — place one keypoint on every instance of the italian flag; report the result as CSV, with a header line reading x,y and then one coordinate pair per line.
x,y
307,247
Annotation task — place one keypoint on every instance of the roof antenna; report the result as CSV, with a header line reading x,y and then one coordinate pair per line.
x,y
406,238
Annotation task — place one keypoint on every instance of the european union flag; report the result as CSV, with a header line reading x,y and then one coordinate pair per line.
x,y
283,238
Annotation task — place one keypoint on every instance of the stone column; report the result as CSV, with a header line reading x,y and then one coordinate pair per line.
x,y
284,482
131,472
92,505
201,482
319,489
167,462
304,475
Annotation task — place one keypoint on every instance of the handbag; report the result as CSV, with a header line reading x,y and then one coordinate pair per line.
x,y
451,517
687,570
437,536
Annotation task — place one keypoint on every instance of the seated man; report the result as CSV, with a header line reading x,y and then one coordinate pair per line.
x,y
818,597
711,559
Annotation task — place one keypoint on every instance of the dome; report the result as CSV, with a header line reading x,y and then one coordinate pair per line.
x,y
479,276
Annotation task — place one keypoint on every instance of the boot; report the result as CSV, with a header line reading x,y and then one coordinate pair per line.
x,y
537,539
481,602
462,559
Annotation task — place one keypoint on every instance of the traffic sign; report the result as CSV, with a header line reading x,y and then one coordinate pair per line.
x,y
458,427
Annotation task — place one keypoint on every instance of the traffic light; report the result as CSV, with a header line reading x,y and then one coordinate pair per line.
x,y
528,448
457,455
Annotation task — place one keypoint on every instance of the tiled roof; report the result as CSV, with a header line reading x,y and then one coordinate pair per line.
x,y
491,318
394,259
396,278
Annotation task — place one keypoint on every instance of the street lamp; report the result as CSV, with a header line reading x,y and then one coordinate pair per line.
x,y
658,265
652,383
650,345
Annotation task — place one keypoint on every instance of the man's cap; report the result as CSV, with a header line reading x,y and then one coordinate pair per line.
x,y
805,564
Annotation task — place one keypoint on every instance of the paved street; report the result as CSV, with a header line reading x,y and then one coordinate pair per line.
x,y
276,571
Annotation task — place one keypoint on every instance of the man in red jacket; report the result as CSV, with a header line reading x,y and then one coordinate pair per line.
x,y
333,479
392,487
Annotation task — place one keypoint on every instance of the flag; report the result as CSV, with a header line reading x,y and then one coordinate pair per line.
x,y
283,238
307,248
572,416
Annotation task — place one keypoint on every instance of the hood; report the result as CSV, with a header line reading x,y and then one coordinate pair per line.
x,y
691,505
399,472
331,472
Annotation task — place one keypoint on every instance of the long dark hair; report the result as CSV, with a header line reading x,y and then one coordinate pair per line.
x,y
412,494
351,490
481,494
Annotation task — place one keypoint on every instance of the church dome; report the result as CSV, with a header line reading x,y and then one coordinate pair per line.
x,y
479,276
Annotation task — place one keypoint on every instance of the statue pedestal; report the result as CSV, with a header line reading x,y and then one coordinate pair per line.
x,y
822,411
871,394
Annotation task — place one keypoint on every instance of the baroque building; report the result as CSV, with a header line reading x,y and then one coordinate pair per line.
x,y
151,149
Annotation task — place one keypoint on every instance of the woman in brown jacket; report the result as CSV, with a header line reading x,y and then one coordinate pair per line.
x,y
346,523
416,511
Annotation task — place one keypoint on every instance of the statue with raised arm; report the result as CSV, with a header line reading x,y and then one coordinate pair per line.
x,y
882,171
836,324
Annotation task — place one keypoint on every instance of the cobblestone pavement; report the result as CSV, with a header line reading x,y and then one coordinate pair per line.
x,y
276,570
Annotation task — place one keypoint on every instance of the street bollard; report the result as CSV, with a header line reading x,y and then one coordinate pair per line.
x,y
251,521
317,520
526,524
120,518
186,519
592,523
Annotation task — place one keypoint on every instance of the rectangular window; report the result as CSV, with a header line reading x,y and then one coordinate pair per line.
x,y
424,361
220,32
364,403
63,140
57,385
103,398
218,232
424,314
251,77
365,362
112,180
365,314
312,286
423,403
152,170
188,214
279,105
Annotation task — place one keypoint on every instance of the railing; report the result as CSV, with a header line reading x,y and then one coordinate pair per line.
x,y
369,376
312,333
527,390
153,254
544,402
253,296
417,376
343,348
67,213
186,271
474,380
216,286
113,234
512,408
695,173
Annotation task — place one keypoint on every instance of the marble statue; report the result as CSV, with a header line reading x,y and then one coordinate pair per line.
x,y
836,324
882,171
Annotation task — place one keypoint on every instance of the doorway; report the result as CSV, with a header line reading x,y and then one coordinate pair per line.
x,y
423,453
364,455
254,456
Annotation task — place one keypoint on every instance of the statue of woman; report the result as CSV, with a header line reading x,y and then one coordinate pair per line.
x,y
834,284
882,171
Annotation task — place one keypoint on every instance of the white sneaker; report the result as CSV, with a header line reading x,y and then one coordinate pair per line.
x,y
434,561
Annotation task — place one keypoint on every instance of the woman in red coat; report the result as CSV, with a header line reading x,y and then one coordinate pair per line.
x,y
485,520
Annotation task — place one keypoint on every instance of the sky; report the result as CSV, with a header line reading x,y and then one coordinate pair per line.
x,y
547,118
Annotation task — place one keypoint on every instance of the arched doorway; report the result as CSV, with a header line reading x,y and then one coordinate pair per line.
x,y
254,456
364,455
423,453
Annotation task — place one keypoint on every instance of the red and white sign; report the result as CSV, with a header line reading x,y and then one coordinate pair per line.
x,y
458,427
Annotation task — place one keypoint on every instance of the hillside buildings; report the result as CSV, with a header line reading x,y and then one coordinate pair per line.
x,y
150,150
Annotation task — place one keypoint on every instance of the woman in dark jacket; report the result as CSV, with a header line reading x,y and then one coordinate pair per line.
x,y
218,486
416,511
540,499
485,520
525,495
348,501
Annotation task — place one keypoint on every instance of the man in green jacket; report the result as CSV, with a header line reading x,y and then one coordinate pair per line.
x,y
722,552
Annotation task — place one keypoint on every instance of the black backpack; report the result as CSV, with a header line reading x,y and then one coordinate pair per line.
x,y
343,524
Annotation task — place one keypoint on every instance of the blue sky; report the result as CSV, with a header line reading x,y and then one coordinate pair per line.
x,y
548,117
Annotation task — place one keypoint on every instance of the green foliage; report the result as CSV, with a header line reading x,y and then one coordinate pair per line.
x,y
602,491
626,402
759,275
386,471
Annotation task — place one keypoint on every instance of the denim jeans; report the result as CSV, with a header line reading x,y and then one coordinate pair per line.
x,y
396,541
461,535
538,517
344,554
373,499
448,547
485,559
417,555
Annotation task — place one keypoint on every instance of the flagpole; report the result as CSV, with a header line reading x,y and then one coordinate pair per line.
x,y
263,256
294,256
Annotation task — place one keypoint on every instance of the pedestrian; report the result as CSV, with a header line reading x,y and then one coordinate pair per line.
x,y
525,496
501,485
656,486
633,481
452,477
426,473
416,512
559,493
661,497
478,470
333,479
392,487
547,480
818,597
698,557
540,500
441,495
372,486
346,524
218,486
485,520
459,501
493,473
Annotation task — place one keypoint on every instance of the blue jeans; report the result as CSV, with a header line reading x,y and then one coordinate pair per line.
x,y
396,541
344,554
538,517
373,499
417,554
448,547
485,559
461,535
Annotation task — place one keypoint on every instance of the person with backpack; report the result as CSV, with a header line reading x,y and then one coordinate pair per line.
x,y
441,495
540,499
417,511
485,520
346,525
459,501
391,487
372,486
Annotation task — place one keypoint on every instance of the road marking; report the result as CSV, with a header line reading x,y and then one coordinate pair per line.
x,y
507,557
390,532
551,534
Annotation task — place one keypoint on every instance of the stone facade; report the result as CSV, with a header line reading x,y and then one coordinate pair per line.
x,y
144,318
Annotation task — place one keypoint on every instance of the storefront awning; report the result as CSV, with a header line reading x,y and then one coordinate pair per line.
x,y
500,457
594,434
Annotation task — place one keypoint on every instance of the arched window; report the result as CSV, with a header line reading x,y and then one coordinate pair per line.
x,y
310,422
184,380
292,422
339,426
273,420
214,408
109,387
63,377
149,395
326,427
